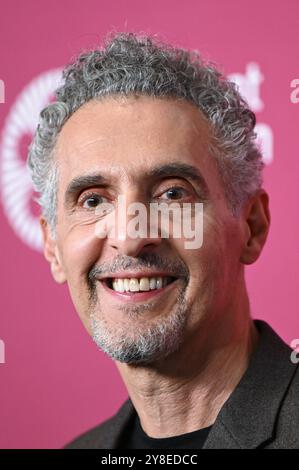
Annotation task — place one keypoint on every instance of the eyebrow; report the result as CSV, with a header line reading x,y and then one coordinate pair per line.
x,y
82,182
181,170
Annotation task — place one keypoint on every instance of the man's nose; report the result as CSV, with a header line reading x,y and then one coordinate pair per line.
x,y
133,232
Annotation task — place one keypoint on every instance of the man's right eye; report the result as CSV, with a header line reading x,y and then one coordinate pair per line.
x,y
92,200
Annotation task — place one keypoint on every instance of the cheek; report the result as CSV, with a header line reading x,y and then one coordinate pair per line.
x,y
209,266
81,250
202,267
205,257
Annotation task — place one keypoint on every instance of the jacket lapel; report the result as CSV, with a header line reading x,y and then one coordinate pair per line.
x,y
247,419
113,429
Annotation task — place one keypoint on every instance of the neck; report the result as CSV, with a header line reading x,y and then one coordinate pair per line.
x,y
186,390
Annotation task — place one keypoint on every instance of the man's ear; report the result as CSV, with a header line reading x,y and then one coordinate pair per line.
x,y
256,223
51,252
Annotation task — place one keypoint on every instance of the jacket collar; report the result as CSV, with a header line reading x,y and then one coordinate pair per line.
x,y
247,419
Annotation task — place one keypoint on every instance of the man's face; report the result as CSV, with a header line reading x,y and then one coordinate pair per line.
x,y
136,146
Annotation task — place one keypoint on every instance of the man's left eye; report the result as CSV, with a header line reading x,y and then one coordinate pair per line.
x,y
176,192
91,201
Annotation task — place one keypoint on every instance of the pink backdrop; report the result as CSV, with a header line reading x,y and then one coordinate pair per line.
x,y
55,383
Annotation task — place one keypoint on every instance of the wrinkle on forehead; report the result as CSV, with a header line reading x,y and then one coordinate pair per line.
x,y
127,138
181,119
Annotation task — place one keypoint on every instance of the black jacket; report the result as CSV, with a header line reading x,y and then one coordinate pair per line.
x,y
261,412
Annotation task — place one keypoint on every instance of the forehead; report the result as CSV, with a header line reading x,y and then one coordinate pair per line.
x,y
132,134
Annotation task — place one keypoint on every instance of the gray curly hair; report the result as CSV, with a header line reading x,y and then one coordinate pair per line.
x,y
138,64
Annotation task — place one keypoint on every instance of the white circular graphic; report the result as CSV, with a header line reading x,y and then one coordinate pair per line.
x,y
16,185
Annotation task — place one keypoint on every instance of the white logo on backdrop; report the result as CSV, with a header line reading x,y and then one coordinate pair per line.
x,y
2,352
16,184
249,86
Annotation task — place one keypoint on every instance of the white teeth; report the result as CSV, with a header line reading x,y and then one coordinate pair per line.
x,y
159,282
118,285
127,285
144,283
136,285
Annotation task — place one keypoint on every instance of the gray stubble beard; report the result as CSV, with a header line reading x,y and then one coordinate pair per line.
x,y
138,345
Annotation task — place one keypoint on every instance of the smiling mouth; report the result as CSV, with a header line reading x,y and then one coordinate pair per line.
x,y
133,285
